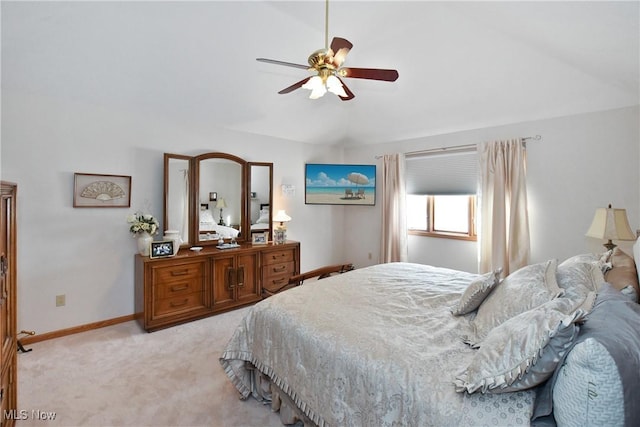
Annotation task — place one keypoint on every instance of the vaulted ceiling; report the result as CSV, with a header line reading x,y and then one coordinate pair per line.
x,y
462,65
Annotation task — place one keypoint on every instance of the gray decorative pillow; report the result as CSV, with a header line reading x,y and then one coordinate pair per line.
x,y
476,292
524,289
525,350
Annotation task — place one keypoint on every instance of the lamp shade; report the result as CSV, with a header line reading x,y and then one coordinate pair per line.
x,y
612,224
221,204
281,216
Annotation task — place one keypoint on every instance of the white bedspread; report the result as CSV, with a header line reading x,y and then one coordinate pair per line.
x,y
377,346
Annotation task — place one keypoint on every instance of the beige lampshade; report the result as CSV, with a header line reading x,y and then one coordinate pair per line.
x,y
221,204
612,224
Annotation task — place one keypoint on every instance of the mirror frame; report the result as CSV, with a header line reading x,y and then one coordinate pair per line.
x,y
194,189
165,219
249,169
195,203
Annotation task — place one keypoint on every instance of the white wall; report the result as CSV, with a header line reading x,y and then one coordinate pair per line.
x,y
87,254
581,163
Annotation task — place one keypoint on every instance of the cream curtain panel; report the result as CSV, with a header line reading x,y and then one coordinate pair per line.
x,y
393,247
504,224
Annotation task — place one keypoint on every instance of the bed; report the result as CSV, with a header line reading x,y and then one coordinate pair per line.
x,y
417,345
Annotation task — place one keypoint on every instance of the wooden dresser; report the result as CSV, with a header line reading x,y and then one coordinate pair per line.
x,y
193,285
8,332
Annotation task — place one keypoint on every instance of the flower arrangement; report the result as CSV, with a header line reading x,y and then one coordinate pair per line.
x,y
141,223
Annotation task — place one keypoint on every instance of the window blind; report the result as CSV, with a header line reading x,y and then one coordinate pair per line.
x,y
442,173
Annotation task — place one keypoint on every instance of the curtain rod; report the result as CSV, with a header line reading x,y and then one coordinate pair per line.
x,y
457,148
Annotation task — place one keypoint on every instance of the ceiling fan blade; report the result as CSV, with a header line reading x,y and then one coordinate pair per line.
x,y
286,64
350,94
370,73
294,86
340,48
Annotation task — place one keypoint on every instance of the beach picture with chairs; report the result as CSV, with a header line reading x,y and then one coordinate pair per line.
x,y
337,184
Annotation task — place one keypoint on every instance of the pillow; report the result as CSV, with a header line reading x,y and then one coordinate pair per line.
x,y
525,350
522,290
264,217
614,322
476,292
577,279
593,399
601,260
623,272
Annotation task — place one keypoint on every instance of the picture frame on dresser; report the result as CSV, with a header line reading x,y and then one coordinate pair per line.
x,y
260,238
161,249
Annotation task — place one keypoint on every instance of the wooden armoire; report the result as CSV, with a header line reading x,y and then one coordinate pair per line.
x,y
8,332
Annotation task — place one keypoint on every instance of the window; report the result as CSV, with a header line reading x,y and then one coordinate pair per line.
x,y
441,195
449,216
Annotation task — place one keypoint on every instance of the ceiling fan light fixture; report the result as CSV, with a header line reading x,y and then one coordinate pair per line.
x,y
334,85
316,86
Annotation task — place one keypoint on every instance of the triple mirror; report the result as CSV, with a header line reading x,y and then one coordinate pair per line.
x,y
216,195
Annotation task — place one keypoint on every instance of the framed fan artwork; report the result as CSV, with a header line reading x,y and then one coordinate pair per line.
x,y
101,191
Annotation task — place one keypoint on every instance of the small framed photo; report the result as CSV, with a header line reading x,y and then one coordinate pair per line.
x,y
161,249
213,196
101,191
260,238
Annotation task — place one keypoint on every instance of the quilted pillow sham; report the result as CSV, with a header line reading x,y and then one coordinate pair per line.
x,y
524,289
476,292
525,350
593,399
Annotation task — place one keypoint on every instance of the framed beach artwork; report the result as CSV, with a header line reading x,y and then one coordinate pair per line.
x,y
338,184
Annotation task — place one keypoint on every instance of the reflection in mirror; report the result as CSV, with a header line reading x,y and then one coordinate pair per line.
x,y
176,193
260,197
220,199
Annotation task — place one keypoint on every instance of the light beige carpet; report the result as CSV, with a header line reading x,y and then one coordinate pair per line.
x,y
123,376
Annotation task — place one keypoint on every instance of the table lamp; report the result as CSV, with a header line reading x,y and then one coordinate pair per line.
x,y
221,204
610,224
280,232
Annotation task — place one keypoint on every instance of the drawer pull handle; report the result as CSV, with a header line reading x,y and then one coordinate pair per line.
x,y
179,273
179,304
278,256
179,288
278,281
279,268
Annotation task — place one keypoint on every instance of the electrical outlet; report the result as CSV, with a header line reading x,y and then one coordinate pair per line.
x,y
60,300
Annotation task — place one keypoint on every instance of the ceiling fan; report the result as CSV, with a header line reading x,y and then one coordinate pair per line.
x,y
326,65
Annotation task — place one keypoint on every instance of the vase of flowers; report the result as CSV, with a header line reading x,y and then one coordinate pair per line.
x,y
143,226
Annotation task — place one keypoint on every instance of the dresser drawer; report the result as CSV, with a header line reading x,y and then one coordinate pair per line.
x,y
169,306
274,276
276,257
178,288
282,268
180,272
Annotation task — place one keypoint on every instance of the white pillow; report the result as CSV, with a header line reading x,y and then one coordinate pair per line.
x,y
522,290
577,279
525,350
476,292
264,218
